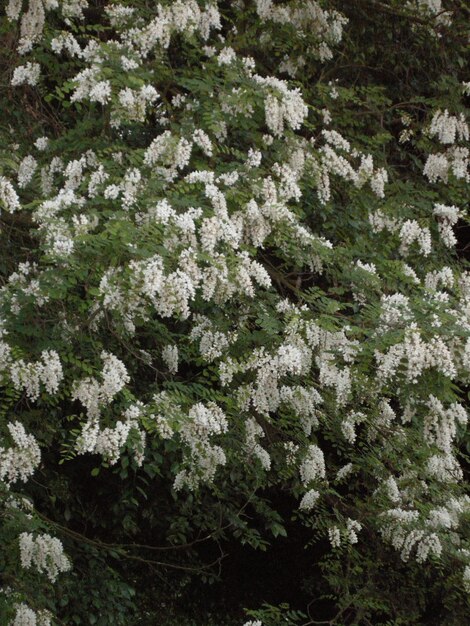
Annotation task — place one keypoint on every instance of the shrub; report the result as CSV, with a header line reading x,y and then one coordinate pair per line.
x,y
233,266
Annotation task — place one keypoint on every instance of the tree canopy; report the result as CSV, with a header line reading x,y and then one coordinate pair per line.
x,y
234,307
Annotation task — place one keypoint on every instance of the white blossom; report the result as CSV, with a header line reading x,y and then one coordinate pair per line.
x,y
19,461
93,394
352,528
466,578
309,500
170,357
8,196
344,471
25,616
334,536
253,433
26,170
41,143
45,553
449,128
313,465
27,74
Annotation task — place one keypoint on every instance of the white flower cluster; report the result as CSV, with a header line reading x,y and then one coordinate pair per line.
x,y
307,17
455,160
45,553
290,358
440,425
41,143
29,375
25,616
433,9
166,415
27,74
89,86
93,394
304,402
395,312
282,105
309,499
333,161
348,425
344,471
447,217
312,467
203,457
167,154
294,357
109,441
466,578
202,140
367,267
183,16
170,358
336,352
400,530
48,171
32,21
226,56
119,15
26,170
411,232
449,130
57,233
417,355
444,277
253,448
134,104
352,528
447,517
8,196
173,293
66,41
19,461
444,468
212,343
392,490
334,536
169,294
32,24
291,66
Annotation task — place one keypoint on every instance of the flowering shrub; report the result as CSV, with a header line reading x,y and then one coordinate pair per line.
x,y
229,269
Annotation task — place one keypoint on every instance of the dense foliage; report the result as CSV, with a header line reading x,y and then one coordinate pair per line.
x,y
235,307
